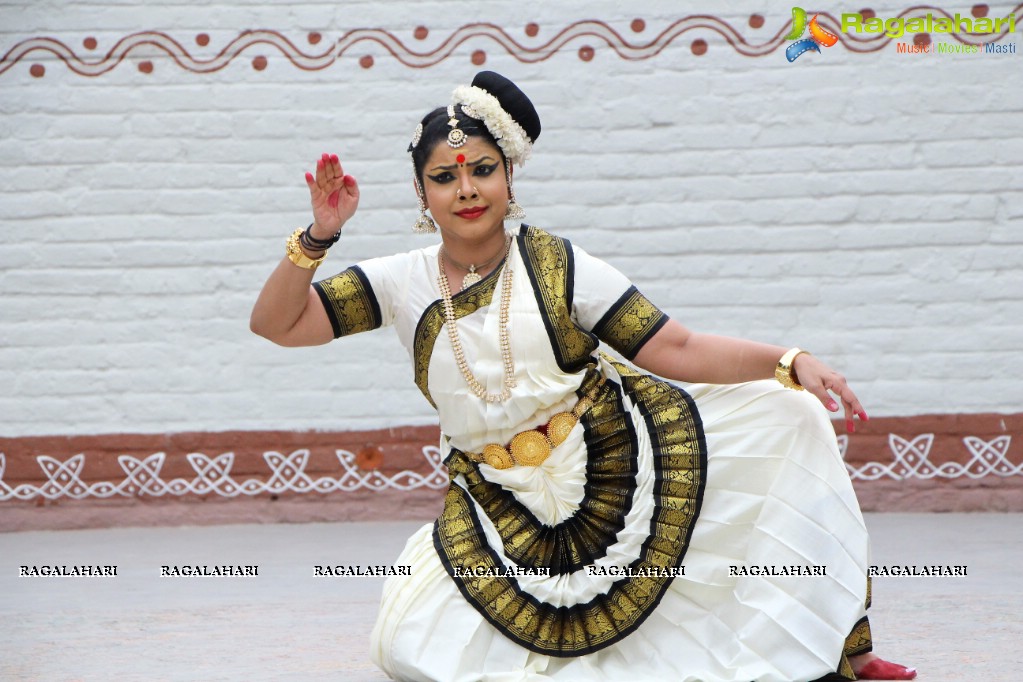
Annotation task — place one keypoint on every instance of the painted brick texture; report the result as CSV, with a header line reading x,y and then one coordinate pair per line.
x,y
865,205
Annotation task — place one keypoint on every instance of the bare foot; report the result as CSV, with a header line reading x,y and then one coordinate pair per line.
x,y
869,666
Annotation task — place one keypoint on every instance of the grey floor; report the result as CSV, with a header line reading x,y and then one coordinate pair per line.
x,y
287,624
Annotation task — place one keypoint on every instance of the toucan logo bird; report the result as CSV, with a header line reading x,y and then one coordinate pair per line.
x,y
818,36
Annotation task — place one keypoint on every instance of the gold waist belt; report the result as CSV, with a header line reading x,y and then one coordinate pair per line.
x,y
532,448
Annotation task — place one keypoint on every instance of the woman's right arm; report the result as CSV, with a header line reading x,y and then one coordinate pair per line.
x,y
288,310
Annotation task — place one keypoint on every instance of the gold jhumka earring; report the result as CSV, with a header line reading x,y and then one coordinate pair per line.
x,y
514,212
424,224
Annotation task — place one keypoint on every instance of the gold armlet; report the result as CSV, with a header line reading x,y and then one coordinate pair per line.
x,y
297,256
783,371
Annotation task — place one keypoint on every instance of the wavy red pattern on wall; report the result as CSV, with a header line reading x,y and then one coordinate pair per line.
x,y
525,44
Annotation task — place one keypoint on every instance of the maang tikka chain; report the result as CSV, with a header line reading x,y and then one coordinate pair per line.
x,y
456,137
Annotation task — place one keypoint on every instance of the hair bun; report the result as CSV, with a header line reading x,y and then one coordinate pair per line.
x,y
512,100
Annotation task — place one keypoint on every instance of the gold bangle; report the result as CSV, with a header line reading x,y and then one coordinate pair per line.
x,y
297,256
783,371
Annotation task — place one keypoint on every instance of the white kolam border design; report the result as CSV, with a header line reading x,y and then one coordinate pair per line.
x,y
911,460
213,477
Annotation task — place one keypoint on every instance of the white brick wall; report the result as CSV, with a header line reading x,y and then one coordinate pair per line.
x,y
865,206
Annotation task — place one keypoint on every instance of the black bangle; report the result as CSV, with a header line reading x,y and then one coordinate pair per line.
x,y
315,244
307,246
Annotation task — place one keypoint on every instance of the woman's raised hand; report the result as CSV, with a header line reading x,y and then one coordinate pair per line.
x,y
334,196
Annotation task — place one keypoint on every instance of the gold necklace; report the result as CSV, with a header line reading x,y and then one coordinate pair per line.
x,y
473,276
456,344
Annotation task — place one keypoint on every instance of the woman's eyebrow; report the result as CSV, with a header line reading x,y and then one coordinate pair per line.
x,y
470,163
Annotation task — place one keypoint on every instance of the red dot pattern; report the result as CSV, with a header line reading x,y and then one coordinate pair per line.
x,y
479,57
980,11
369,458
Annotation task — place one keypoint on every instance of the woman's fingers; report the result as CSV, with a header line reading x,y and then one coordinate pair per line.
x,y
319,178
335,196
851,406
841,389
821,391
329,175
328,170
810,374
827,385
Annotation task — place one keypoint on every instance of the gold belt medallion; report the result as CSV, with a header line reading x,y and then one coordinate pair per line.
x,y
532,448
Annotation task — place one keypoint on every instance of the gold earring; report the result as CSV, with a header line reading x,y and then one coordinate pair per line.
x,y
514,212
424,224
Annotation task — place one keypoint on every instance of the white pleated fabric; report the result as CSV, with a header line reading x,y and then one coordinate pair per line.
x,y
777,494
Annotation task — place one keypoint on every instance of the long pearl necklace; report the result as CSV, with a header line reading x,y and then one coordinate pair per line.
x,y
456,344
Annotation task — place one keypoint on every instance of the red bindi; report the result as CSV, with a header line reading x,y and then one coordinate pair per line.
x,y
460,158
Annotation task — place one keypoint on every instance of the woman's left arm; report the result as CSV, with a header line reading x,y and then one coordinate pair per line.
x,y
675,352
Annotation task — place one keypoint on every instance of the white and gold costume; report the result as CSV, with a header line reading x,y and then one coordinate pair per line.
x,y
682,532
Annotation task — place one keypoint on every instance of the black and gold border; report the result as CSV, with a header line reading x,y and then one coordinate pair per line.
x,y
630,323
551,268
680,459
349,301
611,469
859,640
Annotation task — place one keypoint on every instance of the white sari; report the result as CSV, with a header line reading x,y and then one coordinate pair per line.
x,y
739,491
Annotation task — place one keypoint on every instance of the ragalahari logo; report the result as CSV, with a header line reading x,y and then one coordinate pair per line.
x,y
818,36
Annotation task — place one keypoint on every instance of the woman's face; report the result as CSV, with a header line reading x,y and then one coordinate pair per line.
x,y
465,188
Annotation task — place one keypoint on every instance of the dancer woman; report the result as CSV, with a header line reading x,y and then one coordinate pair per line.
x,y
601,523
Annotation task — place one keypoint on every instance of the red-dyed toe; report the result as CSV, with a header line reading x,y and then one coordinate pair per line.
x,y
883,670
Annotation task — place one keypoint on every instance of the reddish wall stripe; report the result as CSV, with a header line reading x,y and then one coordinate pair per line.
x,y
924,463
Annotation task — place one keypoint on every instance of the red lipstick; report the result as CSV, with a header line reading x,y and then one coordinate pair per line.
x,y
471,213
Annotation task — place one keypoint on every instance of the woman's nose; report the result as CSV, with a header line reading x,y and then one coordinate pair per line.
x,y
466,190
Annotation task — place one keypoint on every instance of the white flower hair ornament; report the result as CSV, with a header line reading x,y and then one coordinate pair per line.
x,y
479,104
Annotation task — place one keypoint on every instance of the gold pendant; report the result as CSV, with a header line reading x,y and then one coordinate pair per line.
x,y
471,278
